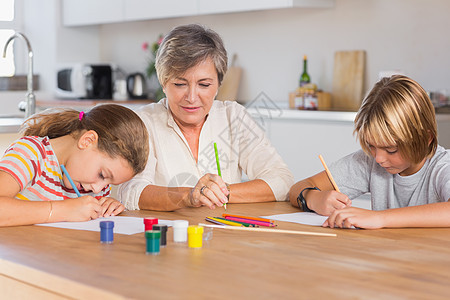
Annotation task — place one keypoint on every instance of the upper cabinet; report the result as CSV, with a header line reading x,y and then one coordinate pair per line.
x,y
88,12
231,6
157,9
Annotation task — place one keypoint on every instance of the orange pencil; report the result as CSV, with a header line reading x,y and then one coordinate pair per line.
x,y
248,218
333,183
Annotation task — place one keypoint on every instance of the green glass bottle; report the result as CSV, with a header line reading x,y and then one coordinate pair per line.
x,y
304,78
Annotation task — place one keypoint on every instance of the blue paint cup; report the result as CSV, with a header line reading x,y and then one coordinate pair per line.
x,y
106,232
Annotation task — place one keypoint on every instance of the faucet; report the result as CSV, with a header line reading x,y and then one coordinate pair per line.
x,y
30,104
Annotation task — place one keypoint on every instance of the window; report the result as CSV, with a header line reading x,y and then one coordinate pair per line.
x,y
7,26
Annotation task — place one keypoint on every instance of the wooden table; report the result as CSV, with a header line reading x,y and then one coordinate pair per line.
x,y
52,263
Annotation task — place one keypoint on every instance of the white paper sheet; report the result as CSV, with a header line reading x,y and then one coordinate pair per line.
x,y
315,219
306,218
122,225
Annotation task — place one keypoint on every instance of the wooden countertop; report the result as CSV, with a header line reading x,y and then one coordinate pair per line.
x,y
369,264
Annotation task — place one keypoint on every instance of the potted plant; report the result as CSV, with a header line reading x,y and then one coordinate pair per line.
x,y
151,70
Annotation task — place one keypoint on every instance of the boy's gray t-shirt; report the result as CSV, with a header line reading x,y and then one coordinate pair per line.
x,y
358,173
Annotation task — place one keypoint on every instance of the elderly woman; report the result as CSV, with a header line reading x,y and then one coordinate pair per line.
x,y
182,170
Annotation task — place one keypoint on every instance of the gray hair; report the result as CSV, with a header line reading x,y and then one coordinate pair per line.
x,y
186,46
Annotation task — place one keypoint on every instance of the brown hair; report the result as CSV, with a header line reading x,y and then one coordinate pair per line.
x,y
120,130
398,112
186,46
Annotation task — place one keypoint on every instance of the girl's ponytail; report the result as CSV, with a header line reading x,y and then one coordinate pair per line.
x,y
54,122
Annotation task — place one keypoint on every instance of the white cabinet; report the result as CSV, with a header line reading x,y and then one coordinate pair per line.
x,y
230,6
220,6
300,136
88,12
91,12
157,9
300,142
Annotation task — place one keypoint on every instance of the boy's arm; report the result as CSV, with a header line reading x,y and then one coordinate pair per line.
x,y
427,215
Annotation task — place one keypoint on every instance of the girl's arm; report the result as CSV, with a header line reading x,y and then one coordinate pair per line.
x,y
25,212
428,215
19,212
323,202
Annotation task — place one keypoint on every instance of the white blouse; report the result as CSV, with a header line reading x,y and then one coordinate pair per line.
x,y
242,147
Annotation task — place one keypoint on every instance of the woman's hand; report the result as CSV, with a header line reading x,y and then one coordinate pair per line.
x,y
110,207
77,209
355,217
326,202
210,190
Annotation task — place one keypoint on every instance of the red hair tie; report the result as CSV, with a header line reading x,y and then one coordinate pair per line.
x,y
81,115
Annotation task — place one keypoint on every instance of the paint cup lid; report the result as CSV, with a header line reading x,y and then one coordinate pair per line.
x,y
195,229
150,221
180,224
107,224
160,227
153,234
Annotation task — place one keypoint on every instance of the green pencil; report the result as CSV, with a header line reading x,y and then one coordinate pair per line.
x,y
218,167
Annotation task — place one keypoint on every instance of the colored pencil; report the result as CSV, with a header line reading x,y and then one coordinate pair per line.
x,y
74,187
254,222
225,222
218,167
333,183
245,223
217,160
269,230
214,221
248,218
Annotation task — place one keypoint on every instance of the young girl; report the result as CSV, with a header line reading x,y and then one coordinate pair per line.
x,y
401,165
107,145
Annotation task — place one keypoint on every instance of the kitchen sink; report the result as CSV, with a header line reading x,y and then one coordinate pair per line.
x,y
10,124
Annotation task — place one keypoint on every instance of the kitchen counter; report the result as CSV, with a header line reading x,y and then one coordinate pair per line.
x,y
314,115
88,103
10,125
300,135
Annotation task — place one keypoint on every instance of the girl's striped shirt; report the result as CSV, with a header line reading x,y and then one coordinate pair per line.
x,y
34,165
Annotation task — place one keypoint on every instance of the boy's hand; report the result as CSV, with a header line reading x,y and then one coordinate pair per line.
x,y
110,207
326,202
355,217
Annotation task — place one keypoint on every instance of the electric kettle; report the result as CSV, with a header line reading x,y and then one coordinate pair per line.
x,y
136,86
